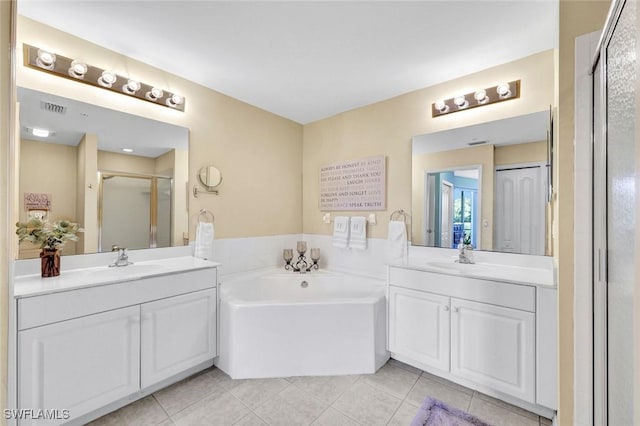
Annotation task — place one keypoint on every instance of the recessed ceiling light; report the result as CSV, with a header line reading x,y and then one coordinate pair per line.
x,y
127,150
42,133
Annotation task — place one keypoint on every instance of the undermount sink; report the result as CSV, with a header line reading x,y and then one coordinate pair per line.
x,y
129,270
458,267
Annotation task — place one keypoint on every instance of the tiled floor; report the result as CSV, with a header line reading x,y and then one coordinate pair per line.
x,y
389,397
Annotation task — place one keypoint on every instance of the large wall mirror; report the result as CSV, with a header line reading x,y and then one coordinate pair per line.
x,y
122,177
488,181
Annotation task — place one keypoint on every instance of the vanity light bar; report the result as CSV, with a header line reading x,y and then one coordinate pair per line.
x,y
481,97
71,69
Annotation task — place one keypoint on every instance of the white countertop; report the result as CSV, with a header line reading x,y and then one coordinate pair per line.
x,y
481,270
34,285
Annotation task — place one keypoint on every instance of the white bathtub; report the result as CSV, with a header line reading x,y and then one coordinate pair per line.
x,y
272,326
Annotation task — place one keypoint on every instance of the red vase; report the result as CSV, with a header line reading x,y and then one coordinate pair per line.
x,y
50,262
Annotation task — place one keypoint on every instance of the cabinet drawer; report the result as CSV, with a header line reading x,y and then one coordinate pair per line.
x,y
49,308
514,296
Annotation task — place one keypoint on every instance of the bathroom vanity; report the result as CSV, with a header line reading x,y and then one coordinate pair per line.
x,y
487,327
95,339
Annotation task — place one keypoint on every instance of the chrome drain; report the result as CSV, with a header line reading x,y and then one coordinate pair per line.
x,y
304,284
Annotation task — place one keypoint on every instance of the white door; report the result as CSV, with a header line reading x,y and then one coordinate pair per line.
x,y
430,210
419,326
177,333
446,214
494,346
81,364
520,210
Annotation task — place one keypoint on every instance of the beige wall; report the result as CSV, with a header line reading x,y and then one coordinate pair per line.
x,y
447,160
7,167
51,169
87,193
576,18
259,153
532,152
386,128
123,163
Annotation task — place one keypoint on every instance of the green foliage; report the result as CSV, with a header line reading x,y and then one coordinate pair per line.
x,y
467,239
47,235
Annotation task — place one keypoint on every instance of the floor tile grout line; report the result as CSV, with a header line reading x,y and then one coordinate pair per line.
x,y
161,407
345,414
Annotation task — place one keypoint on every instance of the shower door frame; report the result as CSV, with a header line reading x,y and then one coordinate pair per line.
x,y
153,202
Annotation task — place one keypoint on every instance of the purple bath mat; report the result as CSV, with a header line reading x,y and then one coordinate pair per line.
x,y
436,413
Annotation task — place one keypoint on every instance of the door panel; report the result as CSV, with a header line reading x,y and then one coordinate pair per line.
x,y
419,326
494,346
177,333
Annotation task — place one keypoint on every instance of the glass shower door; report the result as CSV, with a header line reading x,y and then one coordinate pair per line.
x,y
125,227
620,215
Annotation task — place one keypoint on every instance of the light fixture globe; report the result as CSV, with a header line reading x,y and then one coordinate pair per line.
x,y
441,106
107,79
461,101
154,94
46,59
78,69
131,87
175,100
503,89
481,96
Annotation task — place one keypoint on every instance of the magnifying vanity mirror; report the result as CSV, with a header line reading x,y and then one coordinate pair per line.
x,y
122,177
488,182
210,177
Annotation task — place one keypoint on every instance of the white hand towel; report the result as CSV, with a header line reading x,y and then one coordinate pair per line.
x,y
358,237
204,241
397,241
341,231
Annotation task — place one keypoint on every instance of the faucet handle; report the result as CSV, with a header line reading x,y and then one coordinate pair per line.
x,y
115,247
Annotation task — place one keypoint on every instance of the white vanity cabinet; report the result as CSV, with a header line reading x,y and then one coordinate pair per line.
x,y
177,333
92,349
477,332
80,364
494,346
419,326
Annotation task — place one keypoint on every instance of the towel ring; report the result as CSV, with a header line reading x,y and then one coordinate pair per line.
x,y
206,213
402,213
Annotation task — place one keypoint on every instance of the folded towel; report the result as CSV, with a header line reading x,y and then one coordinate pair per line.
x,y
341,231
397,241
204,241
358,236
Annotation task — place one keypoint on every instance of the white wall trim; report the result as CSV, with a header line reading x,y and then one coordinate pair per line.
x,y
585,47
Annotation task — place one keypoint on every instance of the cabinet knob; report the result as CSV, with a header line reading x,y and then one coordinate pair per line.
x,y
456,310
445,308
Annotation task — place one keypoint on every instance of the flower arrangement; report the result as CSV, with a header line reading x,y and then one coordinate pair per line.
x,y
50,236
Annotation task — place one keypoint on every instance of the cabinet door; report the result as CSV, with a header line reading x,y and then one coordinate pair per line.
x,y
494,346
177,333
79,365
419,326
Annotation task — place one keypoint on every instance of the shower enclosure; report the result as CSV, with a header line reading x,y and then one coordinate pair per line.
x,y
615,232
134,211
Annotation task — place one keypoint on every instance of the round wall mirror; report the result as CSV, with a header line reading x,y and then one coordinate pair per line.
x,y
210,176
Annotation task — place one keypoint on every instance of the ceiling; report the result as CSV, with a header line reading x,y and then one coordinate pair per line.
x,y
147,138
307,60
509,131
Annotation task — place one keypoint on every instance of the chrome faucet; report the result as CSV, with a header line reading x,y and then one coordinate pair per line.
x,y
465,250
122,259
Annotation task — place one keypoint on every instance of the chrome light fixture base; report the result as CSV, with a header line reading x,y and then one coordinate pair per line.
x,y
62,66
481,97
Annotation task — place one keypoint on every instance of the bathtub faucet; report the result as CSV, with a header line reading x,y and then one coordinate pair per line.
x,y
302,265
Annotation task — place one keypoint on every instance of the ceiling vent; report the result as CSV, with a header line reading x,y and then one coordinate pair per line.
x,y
51,107
476,143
